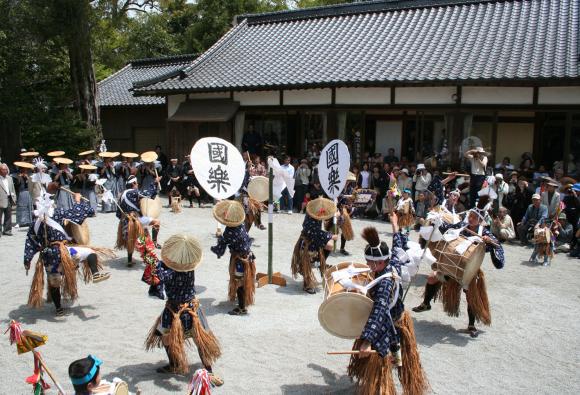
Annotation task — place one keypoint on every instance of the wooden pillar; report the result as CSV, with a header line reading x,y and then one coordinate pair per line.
x,y
494,128
567,139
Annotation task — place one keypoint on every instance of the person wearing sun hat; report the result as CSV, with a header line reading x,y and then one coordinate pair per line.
x,y
314,244
389,328
478,160
476,293
242,266
109,172
63,177
22,184
85,181
182,318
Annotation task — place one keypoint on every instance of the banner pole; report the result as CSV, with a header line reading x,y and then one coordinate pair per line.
x,y
270,222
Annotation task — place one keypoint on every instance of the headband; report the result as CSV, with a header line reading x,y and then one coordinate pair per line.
x,y
380,257
131,180
89,376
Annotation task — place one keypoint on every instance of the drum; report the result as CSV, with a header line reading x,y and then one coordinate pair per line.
x,y
258,188
150,207
80,233
345,312
542,236
117,387
460,266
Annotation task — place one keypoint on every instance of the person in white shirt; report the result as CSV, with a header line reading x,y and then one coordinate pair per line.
x,y
501,188
286,201
365,177
7,199
422,179
502,226
478,160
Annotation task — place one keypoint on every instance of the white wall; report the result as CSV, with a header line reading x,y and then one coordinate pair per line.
x,y
513,139
496,95
425,95
363,96
559,95
307,97
389,135
258,98
173,103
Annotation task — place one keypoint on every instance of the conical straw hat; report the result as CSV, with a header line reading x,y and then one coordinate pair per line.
x,y
88,167
258,188
321,208
91,151
108,154
181,253
29,153
129,155
229,212
149,156
55,153
65,161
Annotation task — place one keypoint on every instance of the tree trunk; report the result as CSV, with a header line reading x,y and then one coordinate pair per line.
x,y
75,14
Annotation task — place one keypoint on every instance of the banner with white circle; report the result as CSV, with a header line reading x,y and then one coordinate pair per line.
x,y
333,167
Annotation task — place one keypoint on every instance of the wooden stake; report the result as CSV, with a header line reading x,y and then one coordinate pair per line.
x,y
72,193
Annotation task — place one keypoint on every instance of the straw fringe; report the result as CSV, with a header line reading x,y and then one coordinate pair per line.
x,y
35,295
450,295
477,299
153,338
545,249
69,271
372,374
346,227
406,220
301,262
248,281
413,378
134,230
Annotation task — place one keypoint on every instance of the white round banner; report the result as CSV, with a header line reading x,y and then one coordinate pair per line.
x,y
218,166
333,167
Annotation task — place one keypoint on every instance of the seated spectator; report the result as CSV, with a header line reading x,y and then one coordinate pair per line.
x,y
504,165
564,232
391,158
535,213
502,226
551,198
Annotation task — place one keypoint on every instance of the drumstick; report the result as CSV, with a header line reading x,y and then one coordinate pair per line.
x,y
476,234
72,193
350,352
419,264
458,174
49,372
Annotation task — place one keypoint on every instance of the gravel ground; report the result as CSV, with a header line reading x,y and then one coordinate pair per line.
x,y
531,348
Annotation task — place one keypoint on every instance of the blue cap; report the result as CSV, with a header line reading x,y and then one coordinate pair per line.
x,y
576,187
89,376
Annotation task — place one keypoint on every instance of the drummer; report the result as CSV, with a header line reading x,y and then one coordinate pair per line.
x,y
131,220
314,244
475,221
389,328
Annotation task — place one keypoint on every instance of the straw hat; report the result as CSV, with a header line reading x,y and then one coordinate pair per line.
x,y
24,165
108,154
321,208
181,253
229,212
129,155
350,176
63,161
91,151
55,153
149,156
258,188
28,154
88,167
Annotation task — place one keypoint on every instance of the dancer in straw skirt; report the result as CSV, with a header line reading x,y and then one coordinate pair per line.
x,y
49,237
449,289
389,329
182,319
343,223
314,243
242,261
406,211
131,221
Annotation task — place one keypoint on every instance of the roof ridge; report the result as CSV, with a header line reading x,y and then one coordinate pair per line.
x,y
359,7
113,75
162,60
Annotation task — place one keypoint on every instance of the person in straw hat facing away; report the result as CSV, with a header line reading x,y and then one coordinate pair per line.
x,y
182,319
60,260
63,177
242,261
476,293
22,185
389,329
314,244
131,220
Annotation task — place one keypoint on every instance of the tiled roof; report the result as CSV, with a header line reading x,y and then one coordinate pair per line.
x,y
115,89
390,42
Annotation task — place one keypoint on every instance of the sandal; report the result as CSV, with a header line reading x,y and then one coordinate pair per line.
x,y
238,311
60,312
422,307
215,380
101,276
473,332
310,291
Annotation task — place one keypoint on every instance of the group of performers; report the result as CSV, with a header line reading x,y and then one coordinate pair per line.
x,y
387,340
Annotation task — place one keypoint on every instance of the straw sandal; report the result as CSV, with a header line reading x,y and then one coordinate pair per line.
x,y
101,276
215,380
238,311
422,307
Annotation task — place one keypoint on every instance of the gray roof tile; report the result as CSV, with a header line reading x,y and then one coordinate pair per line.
x,y
390,41
115,89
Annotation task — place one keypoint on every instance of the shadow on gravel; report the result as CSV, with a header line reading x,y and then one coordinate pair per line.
x,y
28,315
532,264
335,384
143,372
430,333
